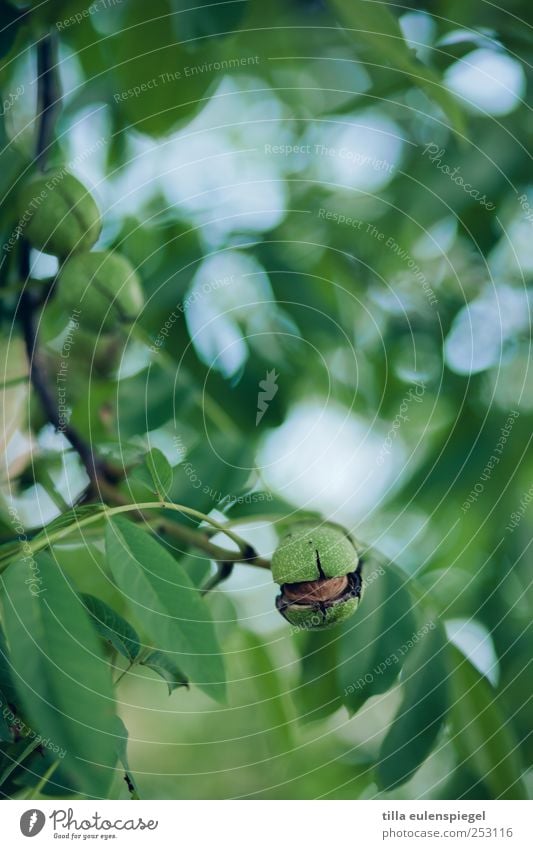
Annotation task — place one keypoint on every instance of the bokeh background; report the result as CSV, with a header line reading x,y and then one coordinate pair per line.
x,y
341,200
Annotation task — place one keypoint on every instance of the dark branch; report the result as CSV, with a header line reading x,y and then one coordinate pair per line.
x,y
48,97
48,106
40,383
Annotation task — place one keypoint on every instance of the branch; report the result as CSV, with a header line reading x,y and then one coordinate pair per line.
x,y
246,554
48,96
201,539
48,105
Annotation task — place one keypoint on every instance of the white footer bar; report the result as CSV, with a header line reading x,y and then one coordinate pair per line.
x,y
269,824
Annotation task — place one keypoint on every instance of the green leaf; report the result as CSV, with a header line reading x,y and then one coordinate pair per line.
x,y
252,658
6,735
62,677
482,732
112,627
421,713
223,613
207,17
157,81
166,604
160,470
374,643
462,784
376,31
215,475
164,664
317,694
6,672
197,565
10,550
156,473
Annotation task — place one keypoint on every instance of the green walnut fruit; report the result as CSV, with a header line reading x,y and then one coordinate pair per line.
x,y
104,287
57,214
319,573
101,354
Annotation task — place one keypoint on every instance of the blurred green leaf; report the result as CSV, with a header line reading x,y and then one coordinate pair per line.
x,y
207,17
422,711
223,613
164,600
112,627
373,643
12,19
63,679
160,397
482,731
376,31
214,475
6,672
6,735
159,83
316,693
271,701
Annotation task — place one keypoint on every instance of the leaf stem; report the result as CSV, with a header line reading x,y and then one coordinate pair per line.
x,y
44,779
223,572
12,767
123,673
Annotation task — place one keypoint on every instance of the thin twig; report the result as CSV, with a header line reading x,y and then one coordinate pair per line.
x,y
44,780
17,761
224,570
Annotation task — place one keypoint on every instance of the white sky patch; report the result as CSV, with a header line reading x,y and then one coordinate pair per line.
x,y
480,330
513,255
221,300
361,151
419,31
487,81
438,240
324,458
216,168
34,507
475,642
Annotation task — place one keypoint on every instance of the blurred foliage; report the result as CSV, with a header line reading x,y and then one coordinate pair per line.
x,y
340,192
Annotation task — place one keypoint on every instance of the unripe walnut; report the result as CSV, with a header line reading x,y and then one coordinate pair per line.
x,y
58,214
100,354
319,573
325,589
104,287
